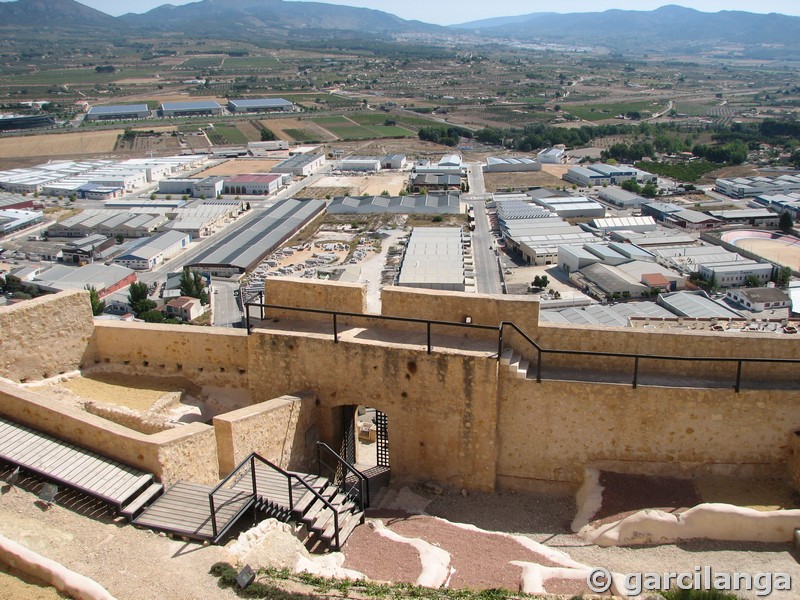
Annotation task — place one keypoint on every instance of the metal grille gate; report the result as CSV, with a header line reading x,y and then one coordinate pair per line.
x,y
382,427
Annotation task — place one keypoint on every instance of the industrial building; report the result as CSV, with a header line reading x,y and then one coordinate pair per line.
x,y
628,279
208,187
622,198
359,163
394,161
253,184
202,218
752,217
106,279
264,148
190,109
151,252
760,299
508,164
300,165
737,272
696,305
614,315
678,216
748,187
434,183
86,249
14,201
535,233
253,105
450,164
20,122
434,259
12,220
637,224
432,204
118,112
571,207
603,174
780,203
241,250
110,223
552,156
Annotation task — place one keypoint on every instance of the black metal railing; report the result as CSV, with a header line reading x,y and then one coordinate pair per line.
x,y
499,330
229,483
359,486
240,472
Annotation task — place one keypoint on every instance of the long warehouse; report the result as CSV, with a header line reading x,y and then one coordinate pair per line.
x,y
242,249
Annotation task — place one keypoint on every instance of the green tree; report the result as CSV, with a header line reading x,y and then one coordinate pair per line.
x,y
752,281
120,238
137,298
98,306
783,276
192,285
786,223
152,316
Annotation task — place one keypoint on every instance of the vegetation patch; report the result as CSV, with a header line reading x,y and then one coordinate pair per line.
x,y
682,171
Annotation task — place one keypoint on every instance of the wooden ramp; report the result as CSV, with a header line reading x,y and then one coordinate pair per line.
x,y
185,510
71,466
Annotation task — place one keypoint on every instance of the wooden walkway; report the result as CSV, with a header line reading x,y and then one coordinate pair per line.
x,y
70,466
185,510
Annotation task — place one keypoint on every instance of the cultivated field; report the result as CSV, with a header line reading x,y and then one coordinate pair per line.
x,y
235,167
66,144
298,130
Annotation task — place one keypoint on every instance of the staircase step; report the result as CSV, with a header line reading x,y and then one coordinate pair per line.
x,y
346,527
133,509
325,515
522,367
506,356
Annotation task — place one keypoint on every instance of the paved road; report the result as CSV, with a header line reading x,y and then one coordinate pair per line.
x,y
477,186
486,269
226,306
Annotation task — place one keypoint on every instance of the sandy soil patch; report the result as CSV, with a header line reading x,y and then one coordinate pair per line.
x,y
84,142
370,185
137,81
773,250
500,182
312,130
235,167
136,392
15,585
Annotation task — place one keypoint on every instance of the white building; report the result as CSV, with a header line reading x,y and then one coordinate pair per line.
x,y
552,156
153,251
736,273
300,165
394,161
760,299
360,163
509,164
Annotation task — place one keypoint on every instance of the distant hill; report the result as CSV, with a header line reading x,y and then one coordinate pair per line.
x,y
238,18
669,27
499,21
51,13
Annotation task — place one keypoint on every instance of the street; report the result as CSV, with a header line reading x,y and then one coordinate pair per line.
x,y
486,270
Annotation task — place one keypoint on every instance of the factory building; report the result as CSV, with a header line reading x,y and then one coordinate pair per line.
x,y
300,165
153,251
190,109
12,220
434,183
21,122
736,273
434,259
678,216
780,203
752,217
748,187
622,198
495,164
432,204
552,156
572,207
106,279
14,201
110,223
253,184
359,163
603,174
118,112
394,161
255,105
208,187
87,249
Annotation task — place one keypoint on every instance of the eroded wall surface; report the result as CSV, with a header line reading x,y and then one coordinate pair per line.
x,y
44,337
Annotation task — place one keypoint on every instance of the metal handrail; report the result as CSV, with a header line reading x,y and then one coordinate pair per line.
x,y
216,488
362,479
499,329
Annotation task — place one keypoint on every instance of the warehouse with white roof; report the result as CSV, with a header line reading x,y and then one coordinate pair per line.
x,y
251,105
511,164
118,112
153,251
434,259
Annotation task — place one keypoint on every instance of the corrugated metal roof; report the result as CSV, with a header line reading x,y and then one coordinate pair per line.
x,y
191,105
122,109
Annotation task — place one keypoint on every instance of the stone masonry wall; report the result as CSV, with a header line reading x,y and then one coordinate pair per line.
x,y
44,337
275,429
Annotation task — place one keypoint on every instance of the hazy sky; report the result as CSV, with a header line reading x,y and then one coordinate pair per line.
x,y
447,13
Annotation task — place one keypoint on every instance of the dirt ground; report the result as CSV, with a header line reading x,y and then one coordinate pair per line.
x,y
500,182
236,167
279,127
773,250
84,142
369,185
123,390
15,584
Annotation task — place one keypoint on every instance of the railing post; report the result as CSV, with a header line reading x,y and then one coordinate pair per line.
x,y
213,516
539,366
261,301
291,500
336,528
499,342
335,330
635,372
253,473
247,317
429,337
738,376
319,460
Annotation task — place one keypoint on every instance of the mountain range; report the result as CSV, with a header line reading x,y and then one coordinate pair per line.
x,y
667,28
